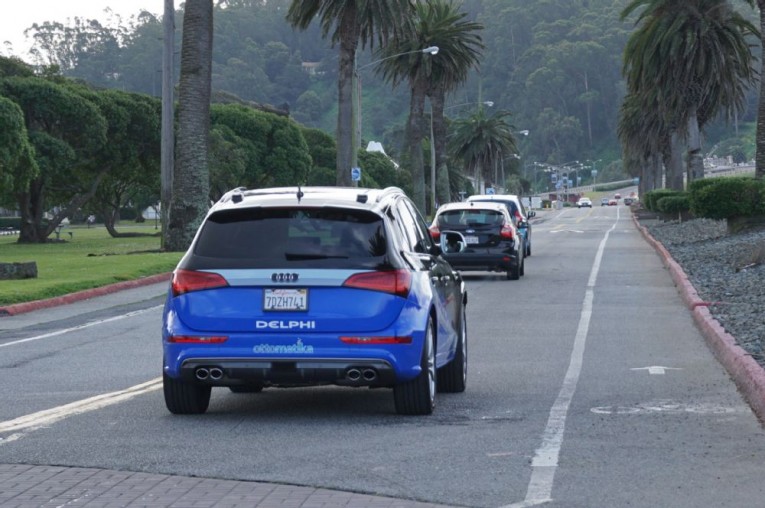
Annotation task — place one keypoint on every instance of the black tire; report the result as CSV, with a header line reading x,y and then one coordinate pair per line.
x,y
514,272
418,396
523,266
185,398
528,250
452,377
249,388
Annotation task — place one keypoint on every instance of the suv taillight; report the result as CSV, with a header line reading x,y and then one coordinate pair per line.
x,y
395,282
506,231
185,281
435,233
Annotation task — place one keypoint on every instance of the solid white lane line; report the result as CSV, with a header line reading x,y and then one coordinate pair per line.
x,y
80,327
49,416
545,461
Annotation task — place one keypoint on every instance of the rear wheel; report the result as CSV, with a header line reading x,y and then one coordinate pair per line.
x,y
418,396
185,398
523,266
528,249
514,272
452,377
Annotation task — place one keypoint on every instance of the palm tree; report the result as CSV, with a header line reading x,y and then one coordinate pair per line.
x,y
351,22
695,55
644,138
435,23
482,142
460,46
191,180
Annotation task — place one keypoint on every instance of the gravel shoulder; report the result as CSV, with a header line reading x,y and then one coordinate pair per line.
x,y
727,270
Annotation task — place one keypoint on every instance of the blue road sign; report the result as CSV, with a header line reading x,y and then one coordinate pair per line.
x,y
355,174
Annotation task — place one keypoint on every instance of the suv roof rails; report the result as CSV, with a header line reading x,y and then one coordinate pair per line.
x,y
388,190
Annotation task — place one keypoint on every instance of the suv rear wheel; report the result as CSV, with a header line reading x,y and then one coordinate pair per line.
x,y
185,398
418,396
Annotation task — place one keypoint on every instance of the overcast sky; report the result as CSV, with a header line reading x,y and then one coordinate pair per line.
x,y
21,14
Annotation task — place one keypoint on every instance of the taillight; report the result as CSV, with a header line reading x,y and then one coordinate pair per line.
x,y
376,340
191,339
435,233
185,281
506,231
396,282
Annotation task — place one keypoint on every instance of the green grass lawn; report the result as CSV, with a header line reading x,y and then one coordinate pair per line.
x,y
87,258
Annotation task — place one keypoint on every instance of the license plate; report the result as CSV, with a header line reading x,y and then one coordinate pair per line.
x,y
285,300
471,240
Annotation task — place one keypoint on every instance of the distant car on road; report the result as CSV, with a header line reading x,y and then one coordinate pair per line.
x,y
617,196
612,202
584,202
628,201
604,201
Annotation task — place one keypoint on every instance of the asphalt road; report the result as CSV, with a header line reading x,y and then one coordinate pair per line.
x,y
588,385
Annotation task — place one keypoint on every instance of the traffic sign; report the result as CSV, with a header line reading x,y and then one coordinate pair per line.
x,y
490,190
355,174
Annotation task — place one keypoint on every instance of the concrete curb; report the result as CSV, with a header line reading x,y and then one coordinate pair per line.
x,y
19,308
748,375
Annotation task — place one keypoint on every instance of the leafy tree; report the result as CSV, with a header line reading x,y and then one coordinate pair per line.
x,y
189,202
270,149
132,156
17,162
351,22
67,131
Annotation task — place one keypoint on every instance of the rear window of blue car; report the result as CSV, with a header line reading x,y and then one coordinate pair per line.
x,y
296,236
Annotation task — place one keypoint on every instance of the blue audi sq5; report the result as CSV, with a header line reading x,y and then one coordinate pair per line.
x,y
291,287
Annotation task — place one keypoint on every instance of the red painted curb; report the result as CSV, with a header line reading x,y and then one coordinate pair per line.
x,y
748,375
20,308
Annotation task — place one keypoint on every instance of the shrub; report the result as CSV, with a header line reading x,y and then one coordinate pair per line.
x,y
728,197
674,204
651,198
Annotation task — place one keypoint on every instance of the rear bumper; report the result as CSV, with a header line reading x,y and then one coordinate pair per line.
x,y
288,372
482,261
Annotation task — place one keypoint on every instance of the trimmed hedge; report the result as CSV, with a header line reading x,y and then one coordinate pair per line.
x,y
651,198
727,197
674,204
10,222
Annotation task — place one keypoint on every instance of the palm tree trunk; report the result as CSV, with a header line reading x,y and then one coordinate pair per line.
x,y
191,177
414,139
675,163
759,160
695,159
349,37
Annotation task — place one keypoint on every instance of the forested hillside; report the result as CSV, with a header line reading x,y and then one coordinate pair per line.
x,y
554,64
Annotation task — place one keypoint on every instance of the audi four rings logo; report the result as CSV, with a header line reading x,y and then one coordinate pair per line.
x,y
284,277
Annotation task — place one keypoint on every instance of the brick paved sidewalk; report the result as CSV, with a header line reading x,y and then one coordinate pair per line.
x,y
24,486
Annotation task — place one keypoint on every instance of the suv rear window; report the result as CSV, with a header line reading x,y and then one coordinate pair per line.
x,y
471,217
296,236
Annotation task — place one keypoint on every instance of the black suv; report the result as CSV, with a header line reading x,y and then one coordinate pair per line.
x,y
479,236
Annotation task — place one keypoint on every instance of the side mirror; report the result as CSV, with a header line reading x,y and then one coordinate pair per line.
x,y
452,242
